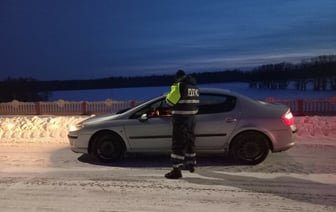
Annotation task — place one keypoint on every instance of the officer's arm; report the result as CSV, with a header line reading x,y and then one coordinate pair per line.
x,y
174,95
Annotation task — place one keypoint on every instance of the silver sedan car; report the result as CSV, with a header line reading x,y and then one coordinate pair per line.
x,y
227,122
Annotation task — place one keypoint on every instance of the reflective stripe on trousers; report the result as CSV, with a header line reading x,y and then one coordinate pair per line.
x,y
183,143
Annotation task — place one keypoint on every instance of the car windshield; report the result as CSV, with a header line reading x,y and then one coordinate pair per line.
x,y
123,110
154,108
139,104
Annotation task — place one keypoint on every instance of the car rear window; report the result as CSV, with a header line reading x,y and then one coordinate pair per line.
x,y
212,103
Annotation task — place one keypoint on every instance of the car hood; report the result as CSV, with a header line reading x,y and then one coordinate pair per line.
x,y
101,118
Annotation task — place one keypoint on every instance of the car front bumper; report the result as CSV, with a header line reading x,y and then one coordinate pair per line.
x,y
76,143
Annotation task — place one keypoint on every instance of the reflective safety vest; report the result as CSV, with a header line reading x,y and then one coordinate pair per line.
x,y
184,98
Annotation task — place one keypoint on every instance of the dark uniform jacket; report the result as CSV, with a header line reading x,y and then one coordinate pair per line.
x,y
184,96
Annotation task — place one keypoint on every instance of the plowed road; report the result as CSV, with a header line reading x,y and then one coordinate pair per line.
x,y
49,177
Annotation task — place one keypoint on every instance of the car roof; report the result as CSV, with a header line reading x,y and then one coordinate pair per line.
x,y
212,90
219,91
215,90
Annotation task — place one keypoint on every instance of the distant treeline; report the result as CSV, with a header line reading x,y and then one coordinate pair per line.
x,y
319,71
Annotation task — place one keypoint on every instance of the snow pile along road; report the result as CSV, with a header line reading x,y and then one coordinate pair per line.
x,y
316,129
54,129
36,129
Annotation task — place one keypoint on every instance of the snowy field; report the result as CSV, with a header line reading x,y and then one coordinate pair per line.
x,y
145,93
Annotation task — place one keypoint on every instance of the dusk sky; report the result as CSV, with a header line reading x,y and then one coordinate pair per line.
x,y
90,39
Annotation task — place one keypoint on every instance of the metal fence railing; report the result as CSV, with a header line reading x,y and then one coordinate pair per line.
x,y
298,106
302,107
64,107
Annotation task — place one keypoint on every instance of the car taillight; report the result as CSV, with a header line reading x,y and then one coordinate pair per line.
x,y
288,118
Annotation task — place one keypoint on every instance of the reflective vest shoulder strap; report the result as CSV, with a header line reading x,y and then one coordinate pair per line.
x,y
174,95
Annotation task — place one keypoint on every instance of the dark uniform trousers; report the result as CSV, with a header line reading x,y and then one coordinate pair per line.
x,y
183,144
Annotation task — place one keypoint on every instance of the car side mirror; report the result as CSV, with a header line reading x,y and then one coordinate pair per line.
x,y
143,117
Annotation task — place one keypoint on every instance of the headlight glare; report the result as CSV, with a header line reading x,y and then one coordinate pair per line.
x,y
76,127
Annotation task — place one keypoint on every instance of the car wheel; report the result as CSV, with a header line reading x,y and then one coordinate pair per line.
x,y
108,147
249,148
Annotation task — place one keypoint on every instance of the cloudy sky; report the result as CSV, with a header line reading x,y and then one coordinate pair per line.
x,y
88,39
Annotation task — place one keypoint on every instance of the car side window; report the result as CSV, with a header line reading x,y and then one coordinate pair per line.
x,y
212,103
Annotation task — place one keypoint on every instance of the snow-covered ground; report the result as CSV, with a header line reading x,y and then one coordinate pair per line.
x,y
54,129
38,172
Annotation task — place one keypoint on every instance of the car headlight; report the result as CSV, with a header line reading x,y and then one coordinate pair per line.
x,y
76,127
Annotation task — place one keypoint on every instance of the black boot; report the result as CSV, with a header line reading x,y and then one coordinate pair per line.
x,y
174,174
190,167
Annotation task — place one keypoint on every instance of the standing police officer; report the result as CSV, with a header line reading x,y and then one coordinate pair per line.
x,y
184,99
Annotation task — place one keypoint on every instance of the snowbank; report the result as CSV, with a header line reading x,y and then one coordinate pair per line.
x,y
54,129
316,129
36,129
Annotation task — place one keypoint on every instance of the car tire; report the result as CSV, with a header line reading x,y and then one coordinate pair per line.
x,y
108,148
249,148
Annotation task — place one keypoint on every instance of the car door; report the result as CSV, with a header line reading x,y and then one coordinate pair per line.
x,y
150,129
218,116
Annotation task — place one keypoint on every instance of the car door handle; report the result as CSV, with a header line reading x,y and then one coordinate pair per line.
x,y
230,120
